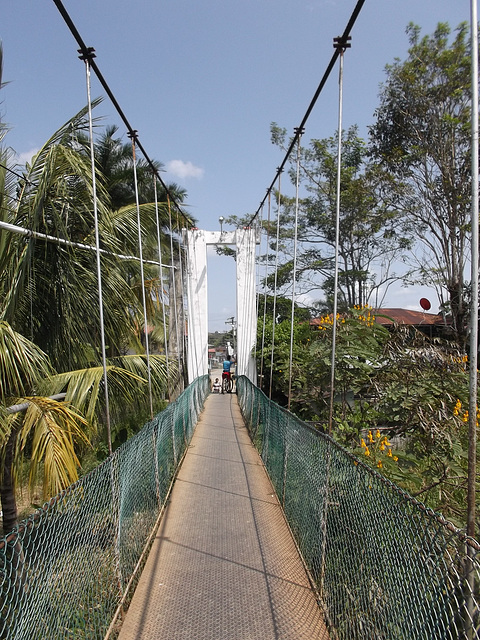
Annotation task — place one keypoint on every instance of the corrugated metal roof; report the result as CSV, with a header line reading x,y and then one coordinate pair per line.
x,y
402,316
407,316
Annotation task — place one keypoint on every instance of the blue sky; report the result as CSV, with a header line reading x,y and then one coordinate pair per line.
x,y
202,81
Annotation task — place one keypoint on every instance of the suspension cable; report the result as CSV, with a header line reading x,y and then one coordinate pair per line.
x,y
473,369
15,173
257,277
173,312
142,277
13,228
88,52
295,244
87,61
161,296
342,39
341,46
274,310
267,264
182,302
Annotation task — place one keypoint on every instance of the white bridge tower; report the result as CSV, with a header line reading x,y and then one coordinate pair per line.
x,y
196,241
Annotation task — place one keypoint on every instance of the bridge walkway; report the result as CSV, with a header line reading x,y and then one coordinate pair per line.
x,y
223,565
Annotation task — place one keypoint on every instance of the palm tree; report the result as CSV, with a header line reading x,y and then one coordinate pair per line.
x,y
52,427
48,291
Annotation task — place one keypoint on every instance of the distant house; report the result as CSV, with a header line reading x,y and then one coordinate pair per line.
x,y
431,324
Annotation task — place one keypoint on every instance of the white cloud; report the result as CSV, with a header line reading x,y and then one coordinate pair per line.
x,y
26,156
182,169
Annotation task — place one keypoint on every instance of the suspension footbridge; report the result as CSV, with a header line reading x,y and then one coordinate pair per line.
x,y
227,516
223,563
217,556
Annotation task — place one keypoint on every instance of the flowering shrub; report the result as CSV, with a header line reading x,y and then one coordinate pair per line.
x,y
378,448
395,383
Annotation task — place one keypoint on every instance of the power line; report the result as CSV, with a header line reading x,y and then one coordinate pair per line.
x,y
340,43
15,173
89,54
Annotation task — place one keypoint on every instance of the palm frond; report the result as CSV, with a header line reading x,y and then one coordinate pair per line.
x,y
83,387
22,364
53,428
127,382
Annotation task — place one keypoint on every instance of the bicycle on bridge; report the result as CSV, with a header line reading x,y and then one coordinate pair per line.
x,y
227,376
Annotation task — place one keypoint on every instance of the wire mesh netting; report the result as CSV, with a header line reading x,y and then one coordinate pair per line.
x,y
384,565
65,570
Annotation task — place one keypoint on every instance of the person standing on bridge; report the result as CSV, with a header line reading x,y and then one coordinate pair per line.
x,y
226,369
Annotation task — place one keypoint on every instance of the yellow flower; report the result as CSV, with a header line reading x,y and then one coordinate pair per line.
x,y
362,443
367,451
395,458
382,447
389,454
377,434
379,464
457,408
370,437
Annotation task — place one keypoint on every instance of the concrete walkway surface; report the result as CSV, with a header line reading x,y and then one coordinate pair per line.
x,y
223,565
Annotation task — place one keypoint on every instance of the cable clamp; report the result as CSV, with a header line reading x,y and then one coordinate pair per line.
x,y
87,54
342,42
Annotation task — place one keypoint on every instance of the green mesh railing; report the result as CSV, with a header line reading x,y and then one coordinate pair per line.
x,y
66,570
384,565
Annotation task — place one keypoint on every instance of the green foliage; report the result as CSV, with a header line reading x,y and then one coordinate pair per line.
x,y
422,137
49,292
400,382
372,234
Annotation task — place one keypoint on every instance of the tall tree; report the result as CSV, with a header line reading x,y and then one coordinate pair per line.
x,y
371,234
422,136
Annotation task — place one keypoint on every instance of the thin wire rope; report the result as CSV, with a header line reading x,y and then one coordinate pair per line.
x,y
173,312
257,275
343,38
337,239
252,288
142,278
267,264
99,266
15,173
295,246
473,369
89,52
274,309
7,226
160,270
182,289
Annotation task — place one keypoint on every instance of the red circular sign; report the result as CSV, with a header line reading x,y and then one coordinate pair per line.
x,y
425,304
